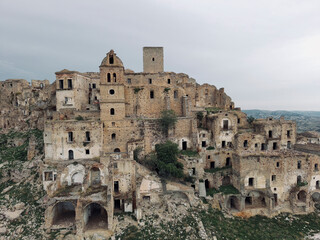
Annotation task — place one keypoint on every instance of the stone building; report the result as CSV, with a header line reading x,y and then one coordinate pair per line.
x,y
99,119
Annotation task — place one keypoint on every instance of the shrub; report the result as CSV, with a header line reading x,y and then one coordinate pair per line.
x,y
79,118
250,119
167,120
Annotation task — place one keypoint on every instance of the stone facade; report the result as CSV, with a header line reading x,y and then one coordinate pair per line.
x,y
94,122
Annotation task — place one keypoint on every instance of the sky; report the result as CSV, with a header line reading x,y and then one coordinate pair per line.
x,y
264,53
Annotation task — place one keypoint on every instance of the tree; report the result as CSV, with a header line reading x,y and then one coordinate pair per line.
x,y
250,119
167,120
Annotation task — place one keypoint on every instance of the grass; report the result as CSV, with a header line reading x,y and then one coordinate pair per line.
x,y
228,189
189,153
213,170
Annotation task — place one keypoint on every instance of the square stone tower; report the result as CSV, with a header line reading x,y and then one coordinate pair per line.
x,y
152,59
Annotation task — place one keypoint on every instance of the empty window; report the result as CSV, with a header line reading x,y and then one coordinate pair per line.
x,y
116,150
87,151
212,165
69,83
115,77
225,124
152,94
61,84
112,111
113,136
223,144
299,180
203,135
278,164
175,94
70,136
48,176
129,80
41,85
316,167
109,77
204,144
263,146
270,134
274,146
318,184
289,145
251,181
228,162
70,155
238,120
273,178
87,136
111,91
209,157
299,165
111,59
193,171
169,81
94,85
113,124
256,145
245,143
150,81
152,59
89,85
288,133
116,186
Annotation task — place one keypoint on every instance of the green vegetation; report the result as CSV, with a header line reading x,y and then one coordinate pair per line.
x,y
212,110
79,118
167,120
199,117
136,153
284,226
250,119
301,184
189,153
137,89
213,170
166,90
228,189
210,148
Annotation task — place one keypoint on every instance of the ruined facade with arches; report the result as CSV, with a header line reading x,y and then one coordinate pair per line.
x,y
101,118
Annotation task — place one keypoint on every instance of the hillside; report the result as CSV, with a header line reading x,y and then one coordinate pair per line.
x,y
306,120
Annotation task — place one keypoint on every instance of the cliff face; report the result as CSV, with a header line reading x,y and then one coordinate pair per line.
x,y
25,106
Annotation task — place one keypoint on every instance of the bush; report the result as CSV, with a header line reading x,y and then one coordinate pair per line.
x,y
189,153
167,120
79,118
250,119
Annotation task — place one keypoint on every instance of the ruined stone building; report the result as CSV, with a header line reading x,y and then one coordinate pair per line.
x,y
96,120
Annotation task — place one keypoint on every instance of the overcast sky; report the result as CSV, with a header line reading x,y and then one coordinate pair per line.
x,y
266,54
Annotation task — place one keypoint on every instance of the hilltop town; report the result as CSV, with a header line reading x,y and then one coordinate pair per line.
x,y
106,134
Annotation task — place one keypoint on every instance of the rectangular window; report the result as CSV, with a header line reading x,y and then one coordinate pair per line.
x,y
169,81
274,146
245,143
263,146
116,186
225,124
209,157
87,136
193,171
299,165
152,94
87,151
175,94
204,143
251,181
70,136
273,178
129,80
289,145
288,133
69,83
238,120
61,84
150,81
316,167
278,164
48,176
212,165
223,144
94,85
270,134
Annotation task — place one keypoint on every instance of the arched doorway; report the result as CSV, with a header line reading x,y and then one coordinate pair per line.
x,y
77,178
64,214
226,181
116,150
95,217
302,196
95,176
233,203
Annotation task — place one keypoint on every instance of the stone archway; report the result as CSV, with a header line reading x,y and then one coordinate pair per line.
x,y
233,203
95,217
63,214
302,196
255,199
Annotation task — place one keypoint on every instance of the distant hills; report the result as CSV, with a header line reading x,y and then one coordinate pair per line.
x,y
306,120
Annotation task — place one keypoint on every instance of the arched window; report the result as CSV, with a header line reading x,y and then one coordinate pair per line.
x,y
111,59
112,111
115,77
70,155
109,77
116,150
113,136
